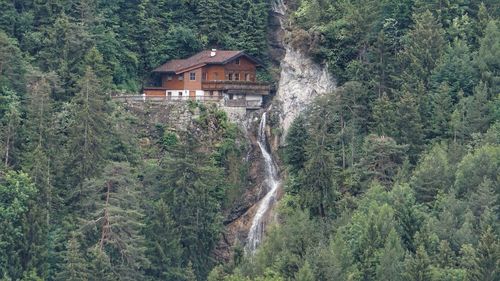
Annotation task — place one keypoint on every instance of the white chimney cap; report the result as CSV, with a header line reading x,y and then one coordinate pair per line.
x,y
213,52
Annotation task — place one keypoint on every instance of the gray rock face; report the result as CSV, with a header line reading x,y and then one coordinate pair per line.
x,y
301,79
300,82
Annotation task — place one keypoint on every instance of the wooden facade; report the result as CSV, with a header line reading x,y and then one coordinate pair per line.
x,y
216,75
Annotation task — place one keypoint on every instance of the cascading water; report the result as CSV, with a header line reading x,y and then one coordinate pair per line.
x,y
272,183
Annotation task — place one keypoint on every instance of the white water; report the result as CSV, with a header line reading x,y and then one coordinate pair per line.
x,y
272,183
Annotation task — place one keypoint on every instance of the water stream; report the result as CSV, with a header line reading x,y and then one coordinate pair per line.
x,y
271,182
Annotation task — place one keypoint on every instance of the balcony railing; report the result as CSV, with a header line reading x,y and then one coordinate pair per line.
x,y
247,86
251,104
159,98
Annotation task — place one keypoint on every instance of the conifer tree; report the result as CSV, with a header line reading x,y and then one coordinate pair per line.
x,y
382,158
423,46
390,259
75,266
10,119
418,266
456,69
488,59
488,253
192,188
163,241
114,220
100,266
305,273
88,131
432,175
296,140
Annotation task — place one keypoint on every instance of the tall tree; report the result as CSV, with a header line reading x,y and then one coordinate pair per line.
x,y
87,132
10,119
423,46
114,220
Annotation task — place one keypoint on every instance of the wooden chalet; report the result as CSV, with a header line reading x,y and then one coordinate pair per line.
x,y
211,75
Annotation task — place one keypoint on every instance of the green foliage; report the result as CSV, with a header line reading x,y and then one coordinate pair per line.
x,y
393,176
17,194
432,175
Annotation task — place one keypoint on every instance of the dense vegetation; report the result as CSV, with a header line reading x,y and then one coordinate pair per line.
x,y
86,193
395,175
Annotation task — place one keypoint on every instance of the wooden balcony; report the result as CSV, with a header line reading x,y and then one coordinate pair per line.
x,y
258,88
165,99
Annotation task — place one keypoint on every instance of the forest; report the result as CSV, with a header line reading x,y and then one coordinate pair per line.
x,y
393,176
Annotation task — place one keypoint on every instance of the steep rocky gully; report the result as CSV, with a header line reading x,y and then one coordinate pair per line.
x,y
300,80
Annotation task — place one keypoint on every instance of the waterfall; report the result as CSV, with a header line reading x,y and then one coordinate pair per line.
x,y
271,183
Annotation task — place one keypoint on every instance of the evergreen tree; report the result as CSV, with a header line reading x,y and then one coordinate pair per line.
x,y
75,266
17,194
113,221
432,175
192,188
305,273
391,258
488,253
296,140
418,266
13,66
87,132
163,239
100,266
423,46
488,60
10,119
456,69
441,106
382,158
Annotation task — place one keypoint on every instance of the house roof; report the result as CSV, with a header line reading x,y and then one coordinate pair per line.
x,y
201,59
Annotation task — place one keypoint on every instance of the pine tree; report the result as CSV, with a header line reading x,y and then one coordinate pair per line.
x,y
470,262
442,107
488,253
390,259
423,46
382,158
488,59
305,273
384,116
418,266
13,66
432,175
114,220
409,124
75,266
296,140
17,195
10,119
100,266
192,188
163,239
88,131
456,69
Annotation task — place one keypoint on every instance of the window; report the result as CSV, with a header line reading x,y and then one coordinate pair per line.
x,y
180,77
236,76
169,94
237,61
180,94
247,76
211,93
192,76
169,77
231,96
230,76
